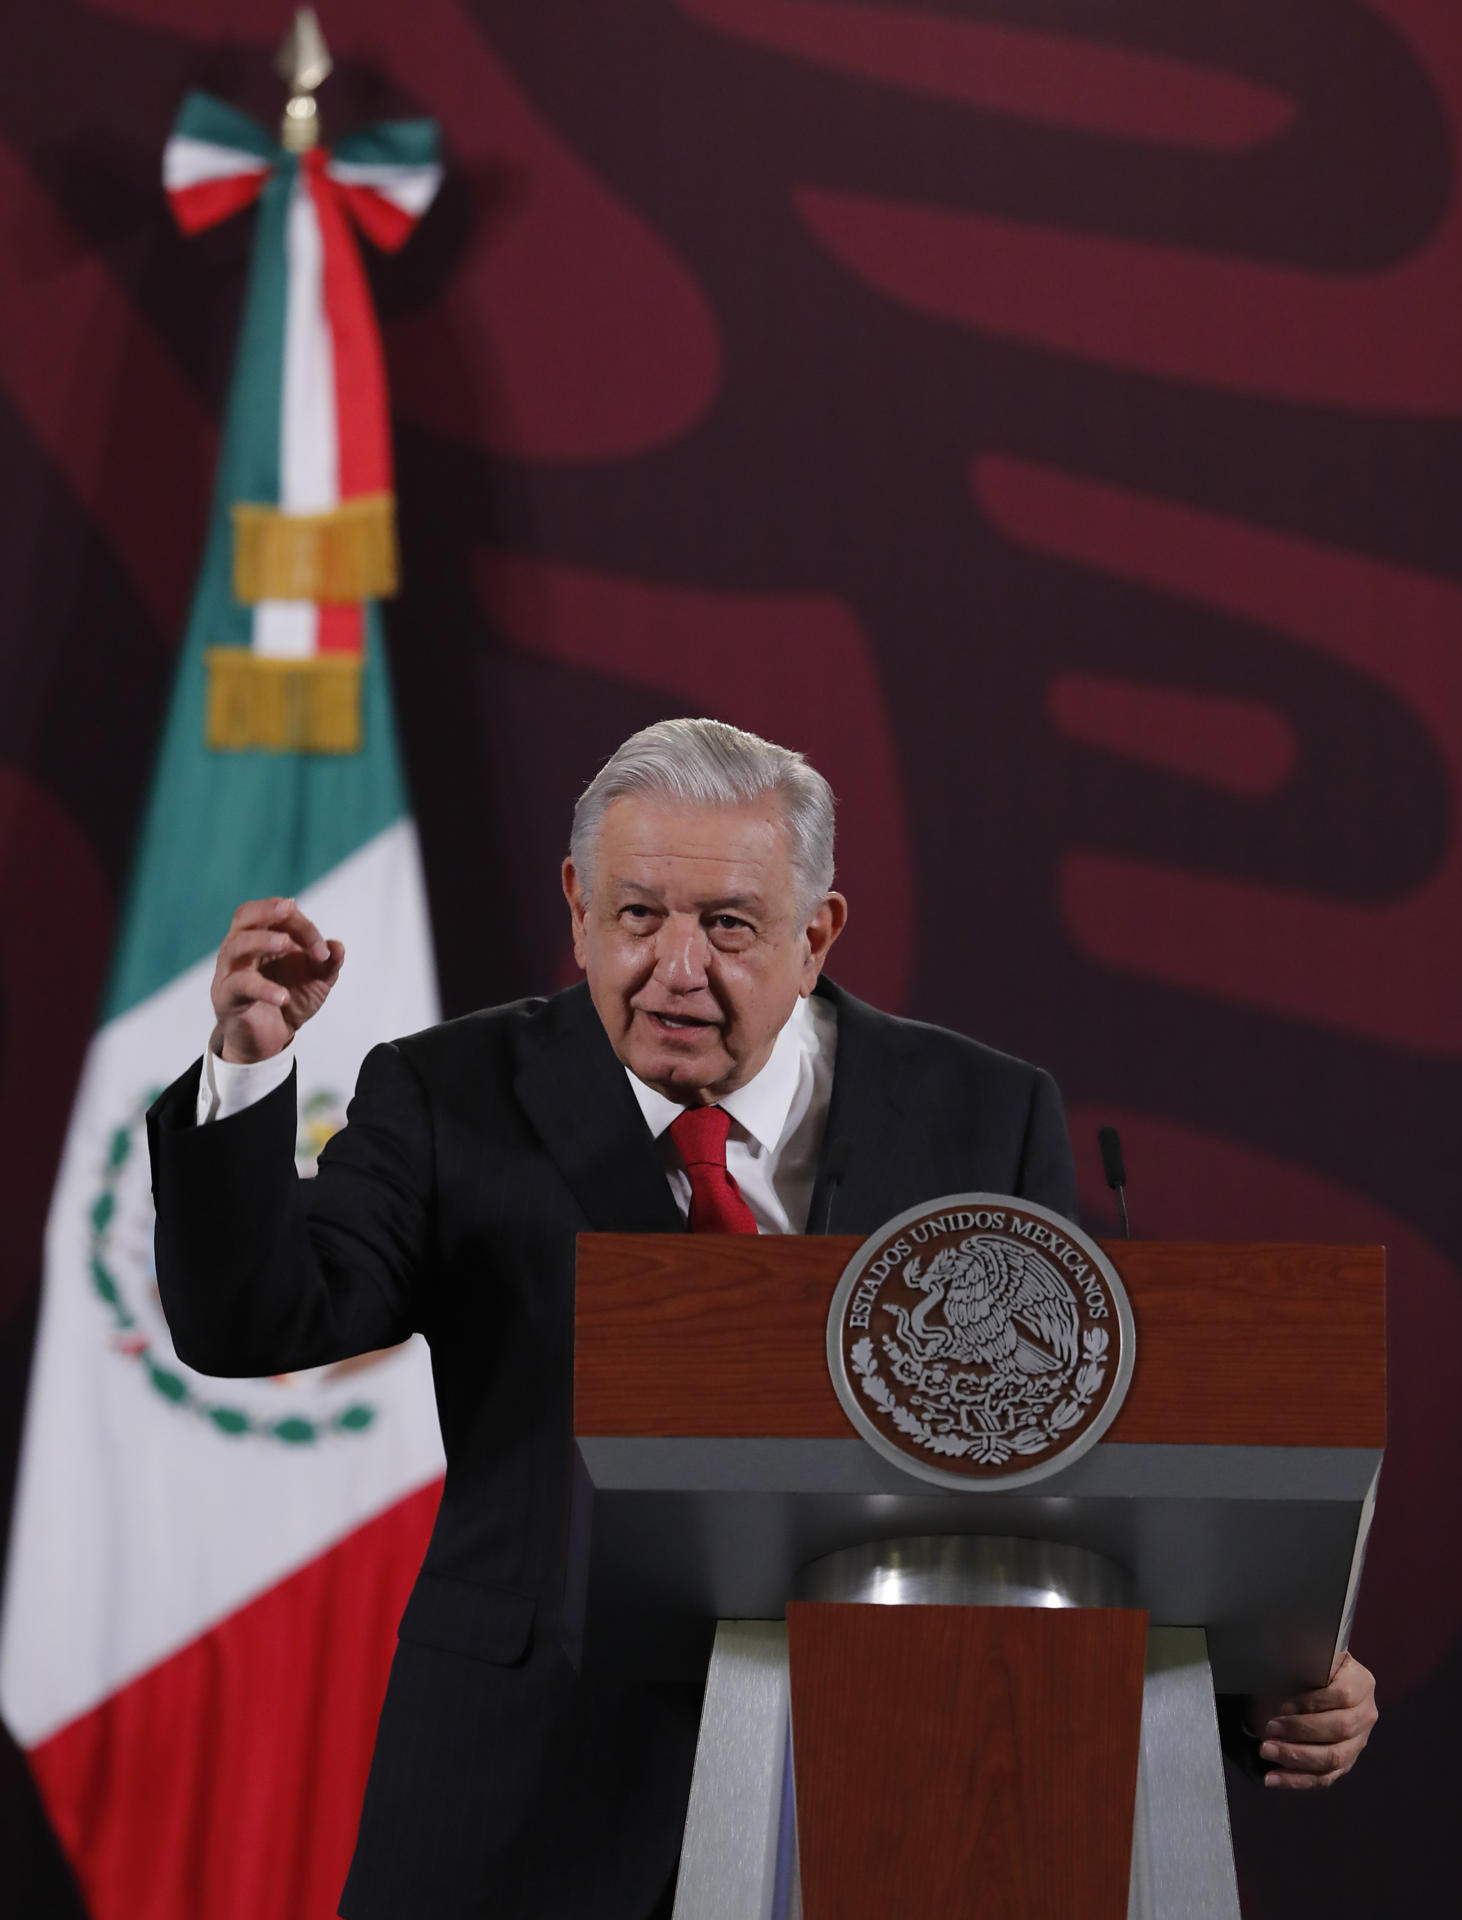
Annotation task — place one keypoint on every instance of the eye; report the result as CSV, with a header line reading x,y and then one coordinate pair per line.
x,y
728,929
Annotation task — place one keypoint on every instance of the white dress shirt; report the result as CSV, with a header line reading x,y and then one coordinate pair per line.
x,y
777,1118
226,1087
777,1122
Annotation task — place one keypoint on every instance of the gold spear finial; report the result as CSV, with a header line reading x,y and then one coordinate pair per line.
x,y
303,62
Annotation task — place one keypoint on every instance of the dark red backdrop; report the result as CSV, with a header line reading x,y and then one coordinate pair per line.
x,y
1045,412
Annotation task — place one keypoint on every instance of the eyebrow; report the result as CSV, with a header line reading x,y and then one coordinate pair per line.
x,y
747,902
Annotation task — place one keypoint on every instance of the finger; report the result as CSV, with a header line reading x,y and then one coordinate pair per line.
x,y
326,961
1303,1782
303,928
1315,1729
261,913
1334,1756
1322,1700
282,911
248,987
1354,1689
256,943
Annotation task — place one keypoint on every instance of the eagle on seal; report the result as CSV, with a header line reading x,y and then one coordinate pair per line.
x,y
1002,1305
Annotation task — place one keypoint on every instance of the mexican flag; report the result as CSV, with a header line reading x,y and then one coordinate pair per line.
x,y
205,1575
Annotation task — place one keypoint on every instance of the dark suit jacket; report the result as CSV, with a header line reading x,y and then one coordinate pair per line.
x,y
449,1204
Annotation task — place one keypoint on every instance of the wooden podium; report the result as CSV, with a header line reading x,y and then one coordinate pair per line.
x,y
1036,1735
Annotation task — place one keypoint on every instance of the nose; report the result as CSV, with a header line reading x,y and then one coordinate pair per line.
x,y
682,951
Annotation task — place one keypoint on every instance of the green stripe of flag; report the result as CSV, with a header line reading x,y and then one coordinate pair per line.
x,y
201,117
224,827
392,143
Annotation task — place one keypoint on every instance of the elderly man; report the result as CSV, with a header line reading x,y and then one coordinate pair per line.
x,y
700,1078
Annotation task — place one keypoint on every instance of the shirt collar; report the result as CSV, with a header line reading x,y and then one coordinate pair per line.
x,y
762,1105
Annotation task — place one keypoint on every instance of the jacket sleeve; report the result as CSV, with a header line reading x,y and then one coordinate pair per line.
x,y
1047,1170
263,1272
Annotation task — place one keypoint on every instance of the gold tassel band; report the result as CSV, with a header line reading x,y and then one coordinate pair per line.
x,y
283,706
346,553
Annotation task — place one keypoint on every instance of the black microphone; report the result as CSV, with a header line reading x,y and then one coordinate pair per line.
x,y
1116,1172
838,1156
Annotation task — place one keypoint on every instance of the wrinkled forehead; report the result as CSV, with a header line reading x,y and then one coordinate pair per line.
x,y
659,830
711,850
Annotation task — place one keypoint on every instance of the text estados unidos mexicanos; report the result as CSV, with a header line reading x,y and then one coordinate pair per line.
x,y
985,1221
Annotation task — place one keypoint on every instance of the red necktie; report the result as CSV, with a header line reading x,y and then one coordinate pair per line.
x,y
716,1205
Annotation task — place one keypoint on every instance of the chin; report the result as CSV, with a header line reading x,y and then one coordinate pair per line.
x,y
676,1071
672,1071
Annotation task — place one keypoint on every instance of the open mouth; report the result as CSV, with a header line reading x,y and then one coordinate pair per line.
x,y
674,1022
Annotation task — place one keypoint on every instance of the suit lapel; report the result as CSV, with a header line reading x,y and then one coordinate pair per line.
x,y
575,1093
574,1090
867,1109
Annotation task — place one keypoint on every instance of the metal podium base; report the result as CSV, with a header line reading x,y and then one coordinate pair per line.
x,y
959,1570
1182,1850
739,1860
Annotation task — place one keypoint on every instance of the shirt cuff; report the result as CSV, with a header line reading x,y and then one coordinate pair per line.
x,y
226,1087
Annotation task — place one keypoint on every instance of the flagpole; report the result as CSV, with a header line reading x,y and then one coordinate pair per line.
x,y
304,64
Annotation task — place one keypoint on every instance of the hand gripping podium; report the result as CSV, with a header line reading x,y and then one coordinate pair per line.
x,y
1029,1731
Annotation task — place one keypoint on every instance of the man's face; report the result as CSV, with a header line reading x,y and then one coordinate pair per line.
x,y
692,942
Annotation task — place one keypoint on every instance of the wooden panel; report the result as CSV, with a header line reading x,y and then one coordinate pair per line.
x,y
965,1760
1268,1345
732,1340
1255,1345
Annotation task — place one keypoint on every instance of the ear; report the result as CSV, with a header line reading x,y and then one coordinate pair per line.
x,y
822,929
578,910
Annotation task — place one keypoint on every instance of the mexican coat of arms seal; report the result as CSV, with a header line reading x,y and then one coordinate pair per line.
x,y
980,1340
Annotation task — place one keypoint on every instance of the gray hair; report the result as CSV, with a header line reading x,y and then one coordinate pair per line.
x,y
708,764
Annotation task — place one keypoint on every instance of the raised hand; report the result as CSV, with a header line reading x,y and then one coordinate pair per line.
x,y
275,970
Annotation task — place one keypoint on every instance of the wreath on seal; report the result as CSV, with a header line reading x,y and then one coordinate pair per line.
x,y
941,1428
130,1339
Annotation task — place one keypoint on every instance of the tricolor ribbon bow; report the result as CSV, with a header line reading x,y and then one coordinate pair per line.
x,y
306,469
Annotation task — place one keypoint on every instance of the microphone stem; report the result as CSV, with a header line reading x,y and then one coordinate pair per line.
x,y
827,1212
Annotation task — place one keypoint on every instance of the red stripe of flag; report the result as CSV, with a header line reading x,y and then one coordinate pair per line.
x,y
360,372
227,1780
210,201
340,626
382,222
